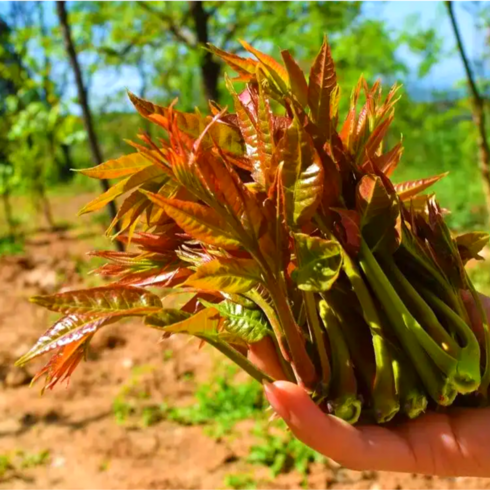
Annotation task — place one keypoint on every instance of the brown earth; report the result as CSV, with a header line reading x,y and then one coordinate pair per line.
x,y
70,438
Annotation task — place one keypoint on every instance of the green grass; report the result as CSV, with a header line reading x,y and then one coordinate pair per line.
x,y
221,403
281,453
133,404
16,461
11,246
240,481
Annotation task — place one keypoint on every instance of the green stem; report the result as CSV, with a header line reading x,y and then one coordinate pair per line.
x,y
286,367
418,307
408,330
385,400
290,337
425,266
317,331
468,376
278,338
412,397
343,384
238,358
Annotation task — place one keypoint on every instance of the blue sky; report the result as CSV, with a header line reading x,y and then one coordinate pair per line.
x,y
450,69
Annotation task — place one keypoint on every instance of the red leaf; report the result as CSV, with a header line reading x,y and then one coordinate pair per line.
x,y
61,366
200,222
411,188
101,301
275,70
323,81
350,229
297,79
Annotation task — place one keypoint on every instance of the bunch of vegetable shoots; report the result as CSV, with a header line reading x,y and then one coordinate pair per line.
x,y
269,221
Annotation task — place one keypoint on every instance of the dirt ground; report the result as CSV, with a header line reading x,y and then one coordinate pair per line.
x,y
70,438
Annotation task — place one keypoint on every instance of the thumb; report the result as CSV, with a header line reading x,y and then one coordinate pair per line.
x,y
356,448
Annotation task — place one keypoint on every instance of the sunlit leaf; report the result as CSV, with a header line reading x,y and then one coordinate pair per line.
x,y
249,325
302,174
101,301
61,366
471,244
119,167
319,263
275,69
322,83
68,329
204,322
227,136
128,183
407,190
297,79
200,222
228,275
244,66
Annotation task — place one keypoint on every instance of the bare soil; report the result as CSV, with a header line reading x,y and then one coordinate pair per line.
x,y
76,428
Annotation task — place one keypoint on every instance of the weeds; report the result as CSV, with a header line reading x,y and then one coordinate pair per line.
x,y
15,461
221,404
11,246
282,453
133,402
240,481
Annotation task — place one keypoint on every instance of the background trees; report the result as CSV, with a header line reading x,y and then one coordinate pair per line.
x,y
156,50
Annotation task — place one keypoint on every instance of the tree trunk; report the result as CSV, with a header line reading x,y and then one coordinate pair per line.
x,y
45,205
478,109
84,103
66,164
210,70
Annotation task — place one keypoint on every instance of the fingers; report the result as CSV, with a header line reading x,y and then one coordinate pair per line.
x,y
369,447
264,355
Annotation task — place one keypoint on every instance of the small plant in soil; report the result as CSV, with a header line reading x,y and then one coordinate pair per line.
x,y
273,222
282,453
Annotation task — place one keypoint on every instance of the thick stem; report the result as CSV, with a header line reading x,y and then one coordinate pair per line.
x,y
408,330
418,307
317,331
412,397
343,386
385,400
300,360
278,338
468,376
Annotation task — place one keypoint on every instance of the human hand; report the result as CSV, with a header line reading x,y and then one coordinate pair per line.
x,y
455,443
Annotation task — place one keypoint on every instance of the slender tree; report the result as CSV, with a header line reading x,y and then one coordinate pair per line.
x,y
478,109
83,99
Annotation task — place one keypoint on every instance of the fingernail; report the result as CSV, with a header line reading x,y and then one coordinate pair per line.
x,y
279,408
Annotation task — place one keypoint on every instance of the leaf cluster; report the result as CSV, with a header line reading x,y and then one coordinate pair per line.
x,y
275,223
